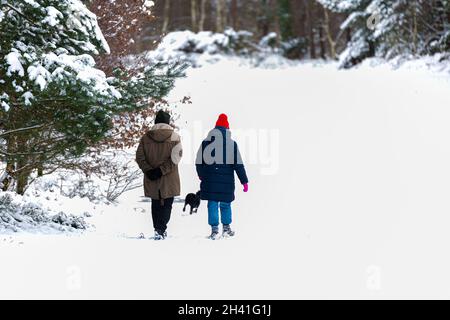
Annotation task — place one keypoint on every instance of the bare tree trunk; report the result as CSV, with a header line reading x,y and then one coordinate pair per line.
x,y
235,14
310,19
201,24
166,17
322,42
446,10
7,179
40,169
264,24
275,20
22,182
415,28
297,7
194,18
438,12
220,15
22,175
331,42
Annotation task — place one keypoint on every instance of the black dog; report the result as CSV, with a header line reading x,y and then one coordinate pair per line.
x,y
193,200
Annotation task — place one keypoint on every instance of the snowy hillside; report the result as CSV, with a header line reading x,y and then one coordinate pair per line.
x,y
348,196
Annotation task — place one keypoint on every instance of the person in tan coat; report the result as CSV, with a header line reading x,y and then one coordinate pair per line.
x,y
158,155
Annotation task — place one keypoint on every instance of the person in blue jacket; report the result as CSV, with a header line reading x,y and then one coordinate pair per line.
x,y
218,158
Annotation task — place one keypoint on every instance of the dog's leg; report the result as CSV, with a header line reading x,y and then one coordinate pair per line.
x,y
184,209
192,210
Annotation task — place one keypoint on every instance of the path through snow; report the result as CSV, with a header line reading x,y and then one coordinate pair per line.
x,y
352,201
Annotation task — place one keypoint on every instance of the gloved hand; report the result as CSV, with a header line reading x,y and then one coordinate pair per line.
x,y
154,174
245,187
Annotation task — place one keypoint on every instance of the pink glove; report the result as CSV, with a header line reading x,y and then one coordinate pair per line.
x,y
246,187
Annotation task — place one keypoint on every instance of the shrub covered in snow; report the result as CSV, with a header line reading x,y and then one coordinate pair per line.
x,y
100,180
206,47
16,215
294,48
185,45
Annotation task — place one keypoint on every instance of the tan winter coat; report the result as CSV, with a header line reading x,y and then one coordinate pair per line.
x,y
160,148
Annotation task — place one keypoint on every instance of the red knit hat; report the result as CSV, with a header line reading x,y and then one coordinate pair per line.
x,y
223,121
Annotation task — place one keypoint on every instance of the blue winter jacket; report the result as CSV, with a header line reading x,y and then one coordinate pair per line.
x,y
217,159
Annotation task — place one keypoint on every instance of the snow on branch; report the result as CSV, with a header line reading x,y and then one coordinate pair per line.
x,y
4,134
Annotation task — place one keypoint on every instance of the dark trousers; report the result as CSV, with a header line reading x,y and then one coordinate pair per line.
x,y
161,211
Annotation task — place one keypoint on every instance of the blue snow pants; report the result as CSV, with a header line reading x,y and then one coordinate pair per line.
x,y
213,213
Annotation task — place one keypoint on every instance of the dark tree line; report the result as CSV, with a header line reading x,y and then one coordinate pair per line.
x,y
317,27
321,28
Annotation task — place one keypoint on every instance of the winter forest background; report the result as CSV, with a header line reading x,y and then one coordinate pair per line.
x,y
349,31
358,87
325,29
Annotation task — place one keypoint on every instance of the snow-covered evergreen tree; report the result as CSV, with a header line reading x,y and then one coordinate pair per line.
x,y
54,102
387,28
362,42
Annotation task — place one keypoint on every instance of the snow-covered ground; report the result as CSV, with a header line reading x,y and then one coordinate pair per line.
x,y
349,186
